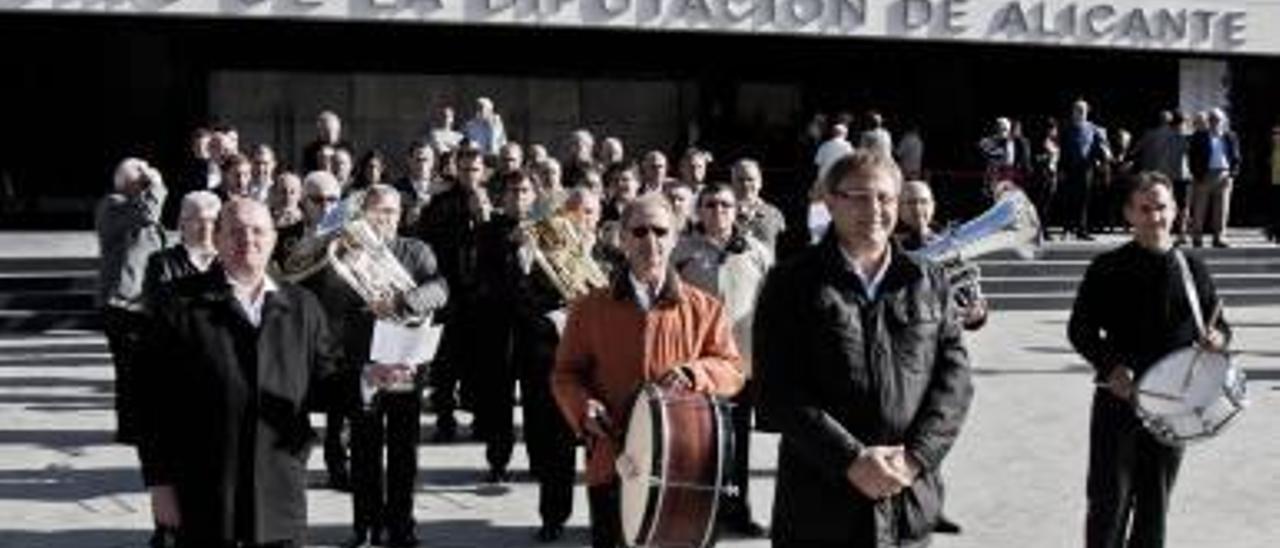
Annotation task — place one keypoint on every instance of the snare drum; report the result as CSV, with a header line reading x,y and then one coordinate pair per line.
x,y
677,452
1191,394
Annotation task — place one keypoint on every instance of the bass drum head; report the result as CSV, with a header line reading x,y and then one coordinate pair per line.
x,y
635,468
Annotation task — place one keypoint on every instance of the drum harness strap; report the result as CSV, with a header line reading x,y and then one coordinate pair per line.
x,y
1193,296
1193,300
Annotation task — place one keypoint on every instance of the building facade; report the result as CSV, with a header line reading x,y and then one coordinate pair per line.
x,y
90,81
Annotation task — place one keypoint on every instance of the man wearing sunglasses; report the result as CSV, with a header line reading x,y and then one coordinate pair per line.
x,y
862,369
648,326
723,259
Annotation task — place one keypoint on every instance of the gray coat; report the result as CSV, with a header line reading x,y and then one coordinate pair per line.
x,y
129,231
839,373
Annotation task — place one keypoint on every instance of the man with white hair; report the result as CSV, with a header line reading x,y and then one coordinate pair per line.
x,y
485,128
603,359
194,253
610,151
1213,155
761,219
129,231
322,196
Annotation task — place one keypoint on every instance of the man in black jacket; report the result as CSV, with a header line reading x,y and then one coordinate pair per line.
x,y
1213,157
1131,310
448,224
383,497
862,369
233,366
522,307
195,253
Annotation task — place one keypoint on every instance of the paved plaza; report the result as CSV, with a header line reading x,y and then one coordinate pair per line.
x,y
1016,477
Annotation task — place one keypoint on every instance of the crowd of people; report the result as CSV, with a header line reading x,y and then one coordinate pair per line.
x,y
851,348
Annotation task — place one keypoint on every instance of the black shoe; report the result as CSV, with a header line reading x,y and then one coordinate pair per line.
x,y
1218,243
339,480
1195,242
363,539
1084,236
746,527
446,430
497,476
403,539
946,527
549,532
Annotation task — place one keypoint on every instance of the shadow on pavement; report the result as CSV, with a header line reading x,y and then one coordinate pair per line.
x,y
57,439
460,534
55,361
1073,369
79,538
66,484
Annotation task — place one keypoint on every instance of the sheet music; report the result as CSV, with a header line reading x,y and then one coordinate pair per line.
x,y
411,345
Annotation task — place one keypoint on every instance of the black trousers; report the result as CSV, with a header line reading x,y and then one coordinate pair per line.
x,y
382,496
1131,476
738,507
335,450
1076,187
606,517
548,439
124,330
445,373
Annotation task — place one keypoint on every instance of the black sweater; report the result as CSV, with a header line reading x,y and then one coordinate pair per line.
x,y
1131,309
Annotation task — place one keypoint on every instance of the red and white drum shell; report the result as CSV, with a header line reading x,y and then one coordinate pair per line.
x,y
676,454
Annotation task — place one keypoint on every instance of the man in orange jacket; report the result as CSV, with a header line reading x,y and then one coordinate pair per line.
x,y
648,326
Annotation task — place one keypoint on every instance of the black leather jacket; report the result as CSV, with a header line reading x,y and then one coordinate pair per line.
x,y
838,373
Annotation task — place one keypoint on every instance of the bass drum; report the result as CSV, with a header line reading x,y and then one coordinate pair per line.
x,y
676,455
1190,394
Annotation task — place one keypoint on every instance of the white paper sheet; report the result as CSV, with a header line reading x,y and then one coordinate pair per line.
x,y
400,344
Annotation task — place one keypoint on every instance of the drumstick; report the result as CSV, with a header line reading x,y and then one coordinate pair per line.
x,y
1213,317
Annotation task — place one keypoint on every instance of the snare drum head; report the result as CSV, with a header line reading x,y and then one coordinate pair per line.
x,y
1183,381
636,468
1190,394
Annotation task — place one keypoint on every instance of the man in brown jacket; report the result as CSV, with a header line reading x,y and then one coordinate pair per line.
x,y
648,326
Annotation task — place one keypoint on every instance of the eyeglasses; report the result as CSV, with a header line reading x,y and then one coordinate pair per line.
x,y
323,199
718,204
643,231
865,197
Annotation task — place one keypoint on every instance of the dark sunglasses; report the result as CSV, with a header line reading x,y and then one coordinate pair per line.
x,y
644,231
324,199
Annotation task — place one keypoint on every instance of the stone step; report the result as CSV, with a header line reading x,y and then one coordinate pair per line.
x,y
48,300
50,280
1014,268
1064,300
38,321
1087,252
47,264
1068,284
